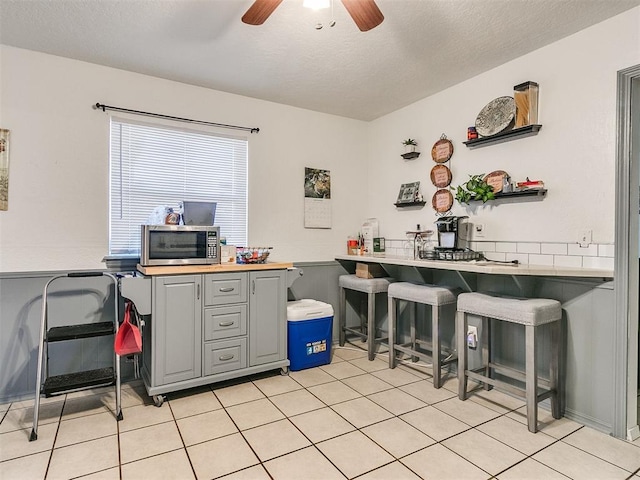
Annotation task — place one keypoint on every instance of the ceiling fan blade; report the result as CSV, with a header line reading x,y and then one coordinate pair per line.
x,y
365,13
260,11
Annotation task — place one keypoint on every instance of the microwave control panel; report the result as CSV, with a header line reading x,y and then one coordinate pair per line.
x,y
212,245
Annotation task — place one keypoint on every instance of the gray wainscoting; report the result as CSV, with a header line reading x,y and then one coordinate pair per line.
x,y
589,307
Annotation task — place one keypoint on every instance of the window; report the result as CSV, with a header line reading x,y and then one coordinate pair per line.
x,y
153,166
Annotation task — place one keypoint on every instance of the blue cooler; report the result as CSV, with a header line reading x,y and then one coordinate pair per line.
x,y
309,328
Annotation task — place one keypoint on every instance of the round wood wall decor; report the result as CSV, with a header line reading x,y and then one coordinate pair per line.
x,y
442,200
496,179
440,176
442,150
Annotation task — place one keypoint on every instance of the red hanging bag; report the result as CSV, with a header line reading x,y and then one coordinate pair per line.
x,y
128,340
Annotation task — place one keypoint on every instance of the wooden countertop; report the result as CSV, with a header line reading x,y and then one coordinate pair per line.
x,y
218,268
485,266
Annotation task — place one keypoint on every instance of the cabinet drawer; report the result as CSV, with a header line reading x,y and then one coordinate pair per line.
x,y
223,288
225,322
225,355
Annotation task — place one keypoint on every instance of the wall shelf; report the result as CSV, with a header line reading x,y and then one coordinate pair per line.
x,y
501,137
410,155
538,192
412,204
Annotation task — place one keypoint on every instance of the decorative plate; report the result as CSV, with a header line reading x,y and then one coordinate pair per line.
x,y
440,176
496,179
442,200
442,150
496,116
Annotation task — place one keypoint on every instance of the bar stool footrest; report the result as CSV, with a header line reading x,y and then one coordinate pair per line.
x,y
516,374
501,385
355,331
406,348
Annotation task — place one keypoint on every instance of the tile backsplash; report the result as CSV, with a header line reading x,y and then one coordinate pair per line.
x,y
595,255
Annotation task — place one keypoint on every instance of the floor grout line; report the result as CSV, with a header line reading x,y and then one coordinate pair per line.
x,y
288,418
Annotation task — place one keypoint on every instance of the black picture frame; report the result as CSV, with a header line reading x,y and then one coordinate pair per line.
x,y
408,192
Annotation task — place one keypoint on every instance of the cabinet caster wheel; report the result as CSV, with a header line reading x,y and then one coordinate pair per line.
x,y
284,371
158,400
119,417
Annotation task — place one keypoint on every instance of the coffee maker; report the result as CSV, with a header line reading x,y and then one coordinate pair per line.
x,y
450,230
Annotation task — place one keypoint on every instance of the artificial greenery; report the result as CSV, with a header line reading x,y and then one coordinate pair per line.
x,y
474,189
410,141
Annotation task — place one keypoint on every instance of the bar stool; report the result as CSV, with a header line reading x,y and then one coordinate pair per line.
x,y
433,296
367,329
529,312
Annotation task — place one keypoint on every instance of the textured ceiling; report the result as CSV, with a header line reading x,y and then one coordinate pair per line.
x,y
422,47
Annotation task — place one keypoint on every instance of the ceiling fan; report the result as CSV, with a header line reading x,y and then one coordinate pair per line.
x,y
365,13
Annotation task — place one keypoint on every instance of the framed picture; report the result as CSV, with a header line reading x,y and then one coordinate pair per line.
x,y
4,169
408,192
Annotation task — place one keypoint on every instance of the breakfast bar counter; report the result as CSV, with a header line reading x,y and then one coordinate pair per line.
x,y
587,296
484,266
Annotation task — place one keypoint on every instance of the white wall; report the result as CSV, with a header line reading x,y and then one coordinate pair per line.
x,y
58,197
58,180
574,153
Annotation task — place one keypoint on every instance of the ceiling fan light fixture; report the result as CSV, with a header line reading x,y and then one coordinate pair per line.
x,y
316,4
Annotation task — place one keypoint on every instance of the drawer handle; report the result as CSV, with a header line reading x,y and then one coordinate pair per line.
x,y
227,289
226,324
226,358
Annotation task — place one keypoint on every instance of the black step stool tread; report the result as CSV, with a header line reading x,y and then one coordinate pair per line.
x,y
79,380
74,332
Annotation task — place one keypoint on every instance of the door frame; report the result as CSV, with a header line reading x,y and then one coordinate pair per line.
x,y
625,416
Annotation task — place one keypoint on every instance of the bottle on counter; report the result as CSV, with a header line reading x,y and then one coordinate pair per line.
x,y
352,246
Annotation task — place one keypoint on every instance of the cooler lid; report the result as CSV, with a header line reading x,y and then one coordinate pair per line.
x,y
307,309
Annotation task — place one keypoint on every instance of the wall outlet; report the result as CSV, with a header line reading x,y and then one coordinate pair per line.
x,y
478,230
585,238
472,337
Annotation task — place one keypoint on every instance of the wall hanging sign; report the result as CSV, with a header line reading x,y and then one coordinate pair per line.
x,y
4,169
442,150
441,176
442,200
496,180
317,198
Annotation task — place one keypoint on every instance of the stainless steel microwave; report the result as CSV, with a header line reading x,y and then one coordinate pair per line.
x,y
179,245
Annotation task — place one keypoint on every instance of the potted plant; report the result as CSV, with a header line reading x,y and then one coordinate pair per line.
x,y
474,189
410,145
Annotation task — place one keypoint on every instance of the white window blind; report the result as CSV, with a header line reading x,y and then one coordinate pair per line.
x,y
153,166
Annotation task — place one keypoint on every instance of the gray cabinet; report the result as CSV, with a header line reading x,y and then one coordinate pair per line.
x,y
267,317
177,320
213,327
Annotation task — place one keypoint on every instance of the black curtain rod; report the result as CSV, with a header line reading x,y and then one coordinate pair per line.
x,y
104,108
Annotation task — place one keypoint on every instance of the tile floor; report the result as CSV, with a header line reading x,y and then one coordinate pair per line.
x,y
350,419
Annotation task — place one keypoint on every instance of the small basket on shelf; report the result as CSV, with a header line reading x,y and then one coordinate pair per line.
x,y
252,255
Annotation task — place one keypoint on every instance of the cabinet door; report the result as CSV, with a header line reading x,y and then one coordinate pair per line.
x,y
177,326
267,317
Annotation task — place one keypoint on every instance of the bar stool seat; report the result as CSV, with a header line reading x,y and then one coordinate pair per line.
x,y
435,297
367,329
529,312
